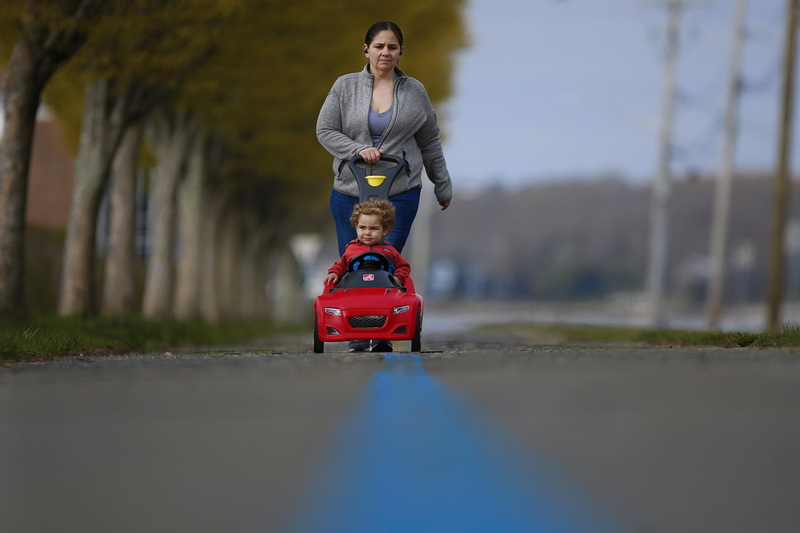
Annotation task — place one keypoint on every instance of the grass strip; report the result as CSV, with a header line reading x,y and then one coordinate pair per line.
x,y
53,337
50,337
788,336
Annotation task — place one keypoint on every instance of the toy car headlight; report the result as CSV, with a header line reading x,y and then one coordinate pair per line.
x,y
401,309
333,311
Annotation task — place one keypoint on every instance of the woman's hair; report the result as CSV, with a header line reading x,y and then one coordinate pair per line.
x,y
378,27
383,209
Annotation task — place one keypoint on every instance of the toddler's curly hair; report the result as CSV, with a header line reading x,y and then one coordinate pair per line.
x,y
383,209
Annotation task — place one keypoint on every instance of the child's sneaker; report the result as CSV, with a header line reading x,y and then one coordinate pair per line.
x,y
359,346
380,346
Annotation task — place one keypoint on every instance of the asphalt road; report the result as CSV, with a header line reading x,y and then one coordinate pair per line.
x,y
473,435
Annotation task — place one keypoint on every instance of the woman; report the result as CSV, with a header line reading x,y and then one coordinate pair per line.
x,y
378,110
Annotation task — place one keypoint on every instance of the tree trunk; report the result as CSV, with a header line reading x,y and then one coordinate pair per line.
x,y
21,96
104,119
255,264
119,283
229,257
190,234
286,288
214,207
249,277
170,139
43,49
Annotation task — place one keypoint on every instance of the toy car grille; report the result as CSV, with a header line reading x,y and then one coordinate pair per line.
x,y
366,322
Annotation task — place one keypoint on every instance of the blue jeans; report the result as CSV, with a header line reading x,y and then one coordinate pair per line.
x,y
405,205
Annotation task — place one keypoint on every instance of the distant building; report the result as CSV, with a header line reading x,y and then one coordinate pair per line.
x,y
50,180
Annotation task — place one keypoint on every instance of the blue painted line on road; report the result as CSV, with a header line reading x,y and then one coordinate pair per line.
x,y
415,457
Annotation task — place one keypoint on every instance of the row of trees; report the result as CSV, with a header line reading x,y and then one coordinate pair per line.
x,y
216,100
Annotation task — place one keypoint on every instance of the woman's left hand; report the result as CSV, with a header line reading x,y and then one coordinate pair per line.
x,y
445,204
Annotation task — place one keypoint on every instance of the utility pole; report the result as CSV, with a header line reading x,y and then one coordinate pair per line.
x,y
662,188
722,197
775,282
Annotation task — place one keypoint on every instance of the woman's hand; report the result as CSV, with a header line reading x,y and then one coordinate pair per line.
x,y
445,204
370,155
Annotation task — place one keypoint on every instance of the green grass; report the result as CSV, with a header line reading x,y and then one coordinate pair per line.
x,y
788,336
49,338
44,338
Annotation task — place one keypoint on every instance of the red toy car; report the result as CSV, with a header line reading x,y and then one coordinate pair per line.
x,y
368,304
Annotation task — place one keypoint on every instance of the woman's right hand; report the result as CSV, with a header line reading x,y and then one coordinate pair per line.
x,y
370,155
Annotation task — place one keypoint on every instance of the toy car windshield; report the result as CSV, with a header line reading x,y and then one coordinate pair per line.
x,y
369,270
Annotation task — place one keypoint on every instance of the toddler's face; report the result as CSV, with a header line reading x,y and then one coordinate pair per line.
x,y
369,230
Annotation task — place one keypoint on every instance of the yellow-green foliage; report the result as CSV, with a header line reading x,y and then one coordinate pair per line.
x,y
255,71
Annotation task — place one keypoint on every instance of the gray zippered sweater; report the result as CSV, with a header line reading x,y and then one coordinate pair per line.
x,y
412,133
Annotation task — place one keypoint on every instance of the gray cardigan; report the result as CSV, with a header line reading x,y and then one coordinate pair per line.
x,y
412,133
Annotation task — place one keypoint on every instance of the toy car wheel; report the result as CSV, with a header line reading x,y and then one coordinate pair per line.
x,y
319,346
416,342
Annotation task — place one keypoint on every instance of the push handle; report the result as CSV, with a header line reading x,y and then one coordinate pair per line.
x,y
370,187
396,159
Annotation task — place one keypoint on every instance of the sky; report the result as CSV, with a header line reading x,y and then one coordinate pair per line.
x,y
573,89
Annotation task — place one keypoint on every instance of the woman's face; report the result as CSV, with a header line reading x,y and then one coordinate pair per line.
x,y
383,52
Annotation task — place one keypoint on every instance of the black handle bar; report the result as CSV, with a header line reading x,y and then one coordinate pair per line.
x,y
396,159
